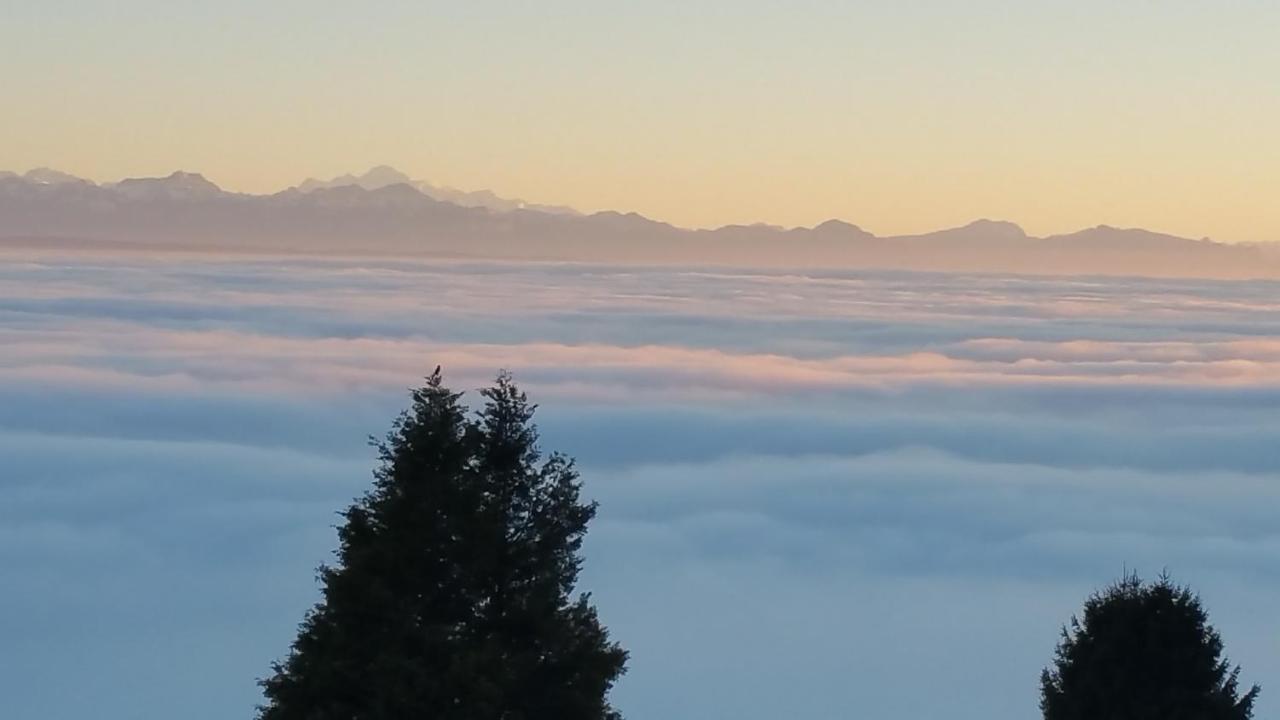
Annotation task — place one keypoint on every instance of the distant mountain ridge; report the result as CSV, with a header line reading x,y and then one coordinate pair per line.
x,y
384,176
378,213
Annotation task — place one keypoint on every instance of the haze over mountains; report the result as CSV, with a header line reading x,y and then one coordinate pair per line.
x,y
384,176
385,212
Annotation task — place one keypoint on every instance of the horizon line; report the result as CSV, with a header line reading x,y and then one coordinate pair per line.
x,y
542,207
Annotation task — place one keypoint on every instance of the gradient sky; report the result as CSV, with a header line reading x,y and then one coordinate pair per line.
x,y
899,116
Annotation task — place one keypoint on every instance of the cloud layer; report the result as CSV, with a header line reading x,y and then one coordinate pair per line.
x,y
826,494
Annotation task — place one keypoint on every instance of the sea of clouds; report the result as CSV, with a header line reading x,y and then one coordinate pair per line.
x,y
822,494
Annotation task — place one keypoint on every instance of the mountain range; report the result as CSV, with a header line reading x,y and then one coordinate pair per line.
x,y
383,211
385,176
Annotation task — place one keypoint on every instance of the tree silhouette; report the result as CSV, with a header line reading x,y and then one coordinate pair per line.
x,y
452,594
1143,651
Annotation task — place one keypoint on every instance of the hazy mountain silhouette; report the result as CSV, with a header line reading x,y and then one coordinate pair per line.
x,y
47,176
178,186
372,213
383,176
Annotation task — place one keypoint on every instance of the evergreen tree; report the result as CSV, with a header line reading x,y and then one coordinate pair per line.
x,y
1143,651
452,594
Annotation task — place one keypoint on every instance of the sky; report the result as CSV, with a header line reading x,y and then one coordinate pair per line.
x,y
898,116
822,494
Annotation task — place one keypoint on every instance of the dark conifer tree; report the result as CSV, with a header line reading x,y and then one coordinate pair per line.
x,y
452,597
1143,651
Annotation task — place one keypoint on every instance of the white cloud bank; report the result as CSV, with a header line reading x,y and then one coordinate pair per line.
x,y
847,494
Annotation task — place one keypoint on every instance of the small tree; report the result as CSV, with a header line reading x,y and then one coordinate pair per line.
x,y
451,598
1143,651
